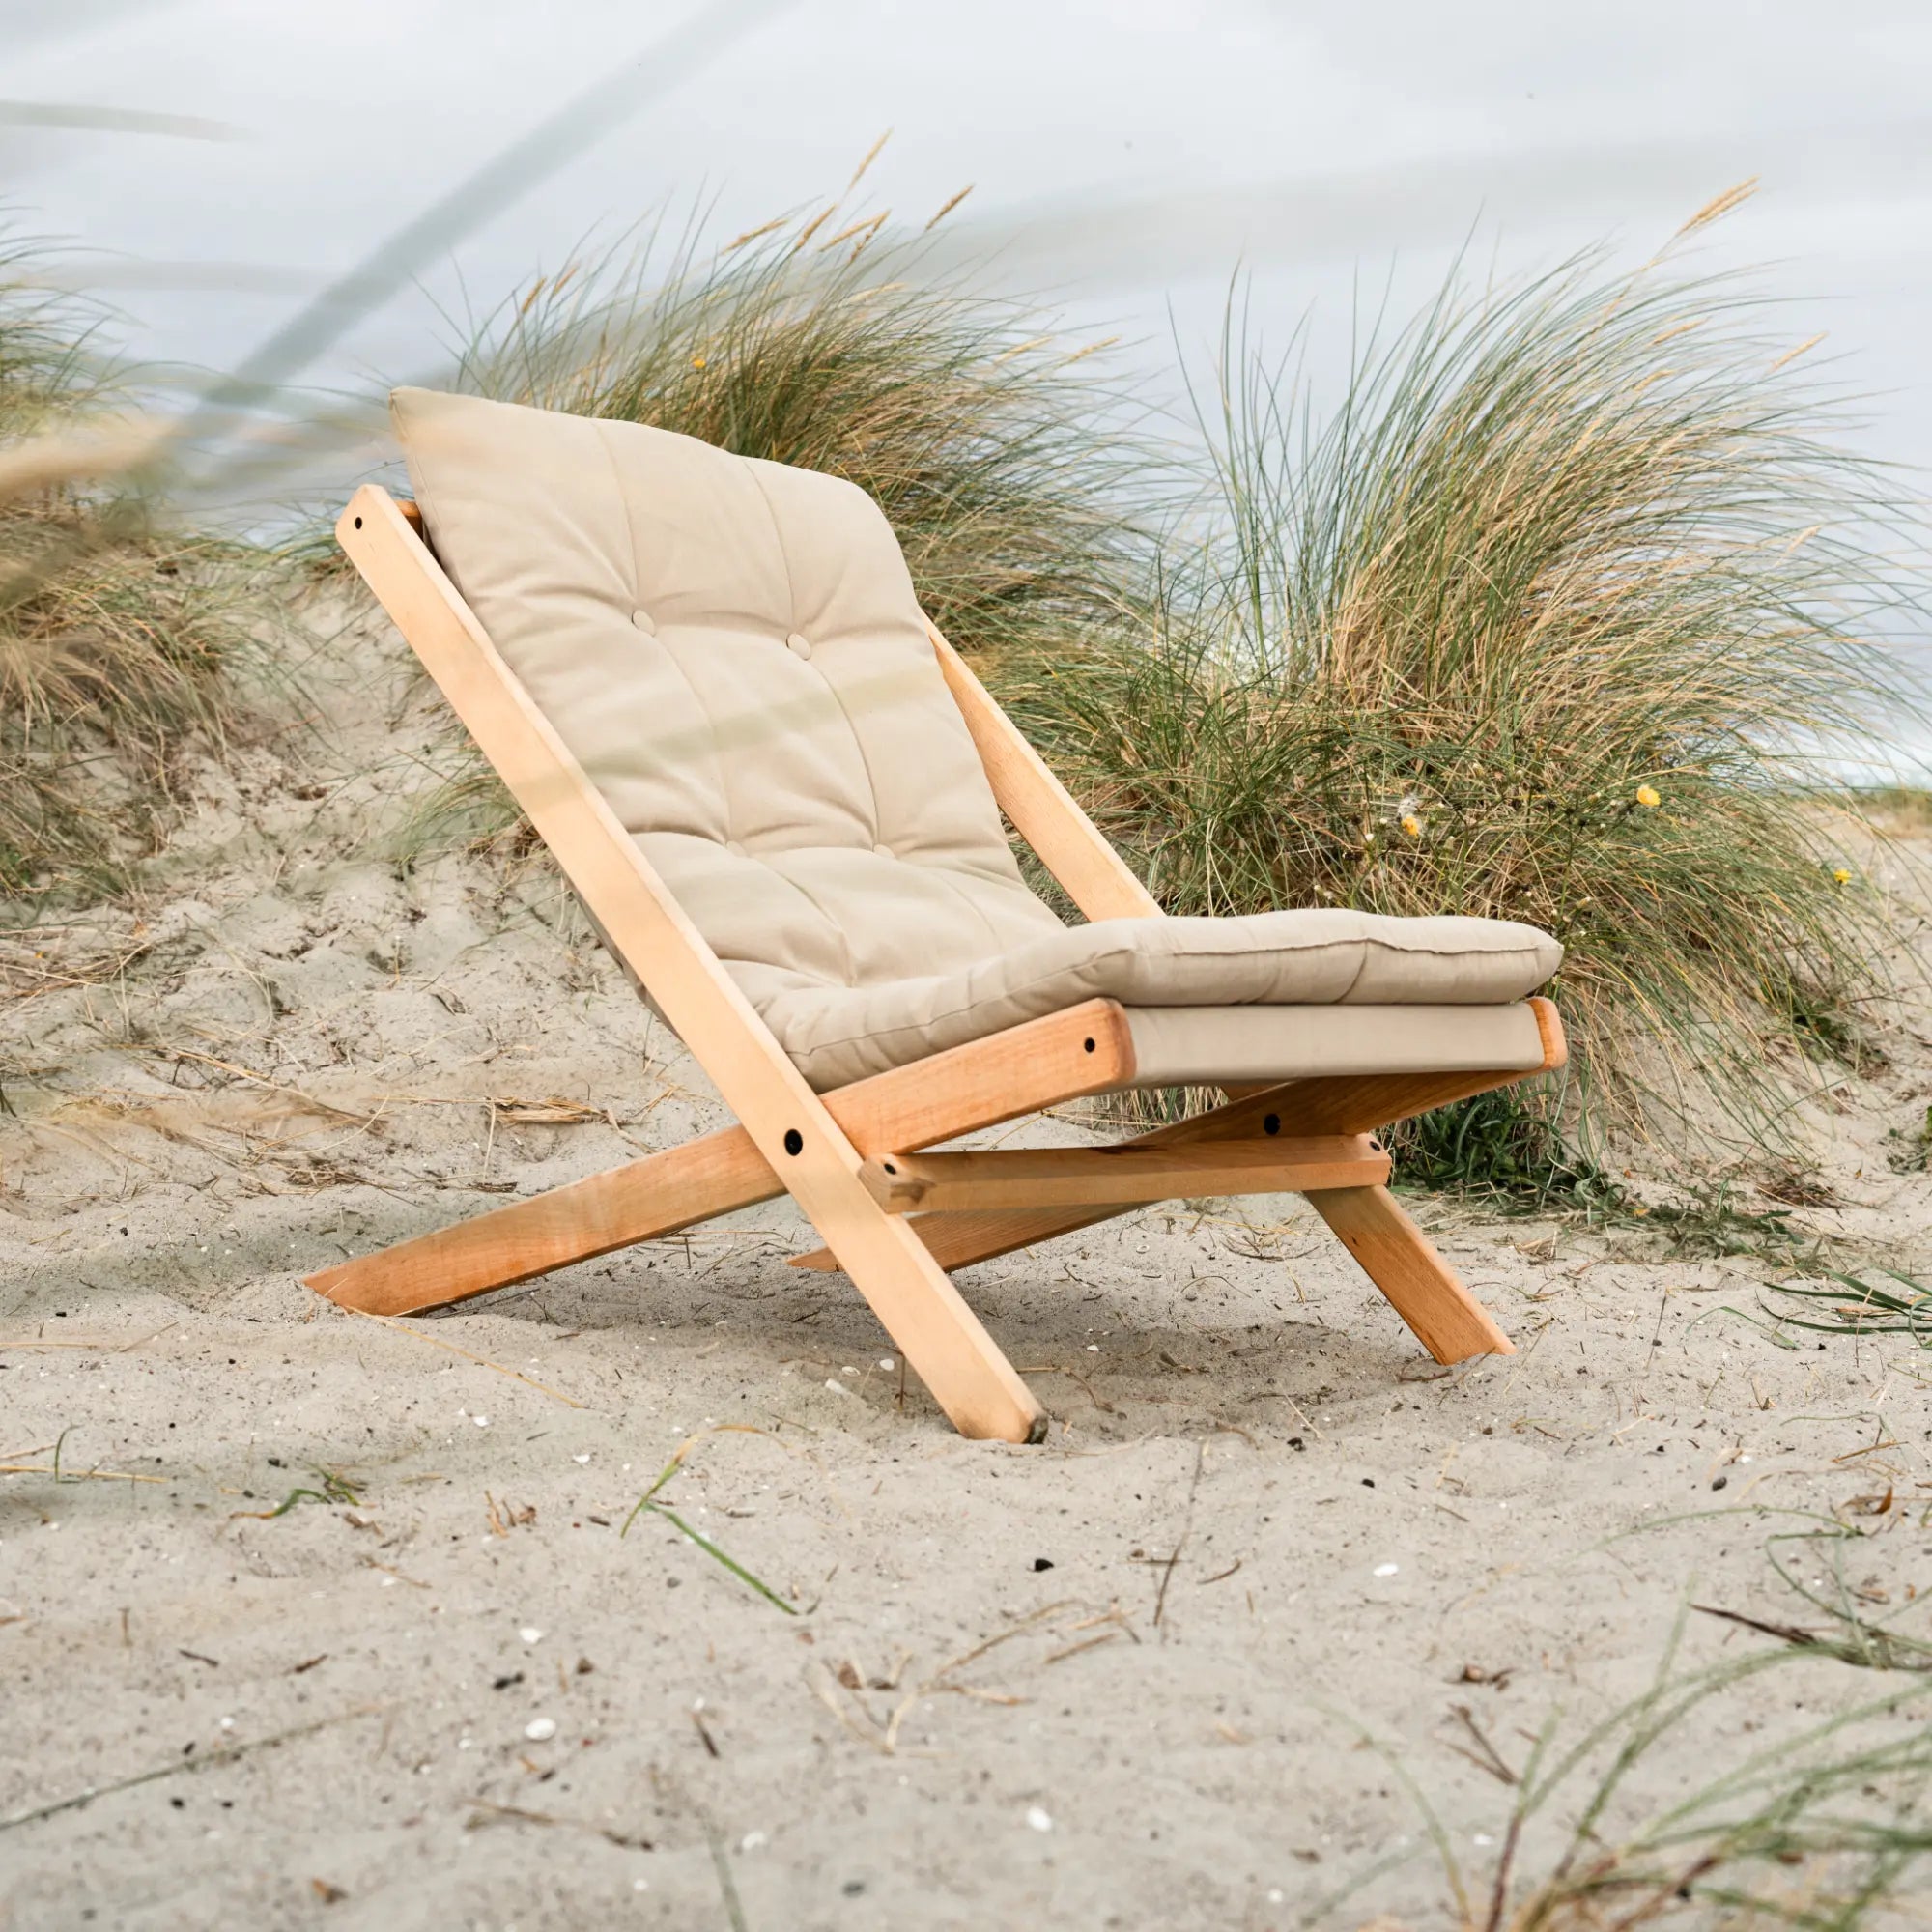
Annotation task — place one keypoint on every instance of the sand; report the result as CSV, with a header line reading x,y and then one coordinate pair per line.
x,y
1129,1678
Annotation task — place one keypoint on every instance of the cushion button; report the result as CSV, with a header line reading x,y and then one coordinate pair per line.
x,y
799,644
885,851
732,846
645,622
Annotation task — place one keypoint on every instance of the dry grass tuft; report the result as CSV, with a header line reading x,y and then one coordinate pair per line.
x,y
1546,620
114,629
961,413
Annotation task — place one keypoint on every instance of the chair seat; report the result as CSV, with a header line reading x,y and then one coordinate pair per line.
x,y
1277,994
1232,1047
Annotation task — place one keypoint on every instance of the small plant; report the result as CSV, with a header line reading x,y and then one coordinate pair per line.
x,y
1895,1305
1511,1151
648,1504
1912,1149
1508,1152
335,1488
1707,1220
1813,1830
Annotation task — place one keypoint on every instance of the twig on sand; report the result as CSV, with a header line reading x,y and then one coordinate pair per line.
x,y
1187,1530
1791,1634
1085,1643
1019,1628
10,1467
78,1476
55,974
1100,1402
853,1716
1486,1757
1865,1645
885,1739
555,1112
484,1811
312,1101
201,1761
93,1346
468,1355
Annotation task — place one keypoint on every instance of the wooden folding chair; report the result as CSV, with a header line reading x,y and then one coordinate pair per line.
x,y
893,1218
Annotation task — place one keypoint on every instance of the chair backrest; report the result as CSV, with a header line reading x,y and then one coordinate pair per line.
x,y
733,652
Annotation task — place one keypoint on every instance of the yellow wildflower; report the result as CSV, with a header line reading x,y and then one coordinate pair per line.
x,y
1411,824
697,361
1841,875
1648,798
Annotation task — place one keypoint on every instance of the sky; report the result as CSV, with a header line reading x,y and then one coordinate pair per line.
x,y
1127,157
211,166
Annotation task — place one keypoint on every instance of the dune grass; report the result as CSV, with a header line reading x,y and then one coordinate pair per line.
x,y
115,628
1550,618
1824,1829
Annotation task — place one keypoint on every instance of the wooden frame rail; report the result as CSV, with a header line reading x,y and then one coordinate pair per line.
x,y
1120,1175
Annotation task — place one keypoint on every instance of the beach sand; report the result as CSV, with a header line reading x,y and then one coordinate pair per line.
x,y
1176,1667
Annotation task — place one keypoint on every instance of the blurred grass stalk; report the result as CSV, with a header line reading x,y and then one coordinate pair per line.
x,y
115,628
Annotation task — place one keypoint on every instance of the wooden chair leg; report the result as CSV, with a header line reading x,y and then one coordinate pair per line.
x,y
657,1195
1401,1260
941,1338
975,1086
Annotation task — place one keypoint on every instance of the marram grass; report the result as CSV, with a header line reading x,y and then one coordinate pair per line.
x,y
115,629
1824,1829
994,444
1555,618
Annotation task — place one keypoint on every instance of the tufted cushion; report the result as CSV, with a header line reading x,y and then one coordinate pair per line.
x,y
733,651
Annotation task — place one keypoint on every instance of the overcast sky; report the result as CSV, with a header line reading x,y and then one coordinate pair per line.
x,y
1124,153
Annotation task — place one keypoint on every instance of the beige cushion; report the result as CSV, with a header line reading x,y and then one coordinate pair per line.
x,y
733,651
1316,958
1222,1046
